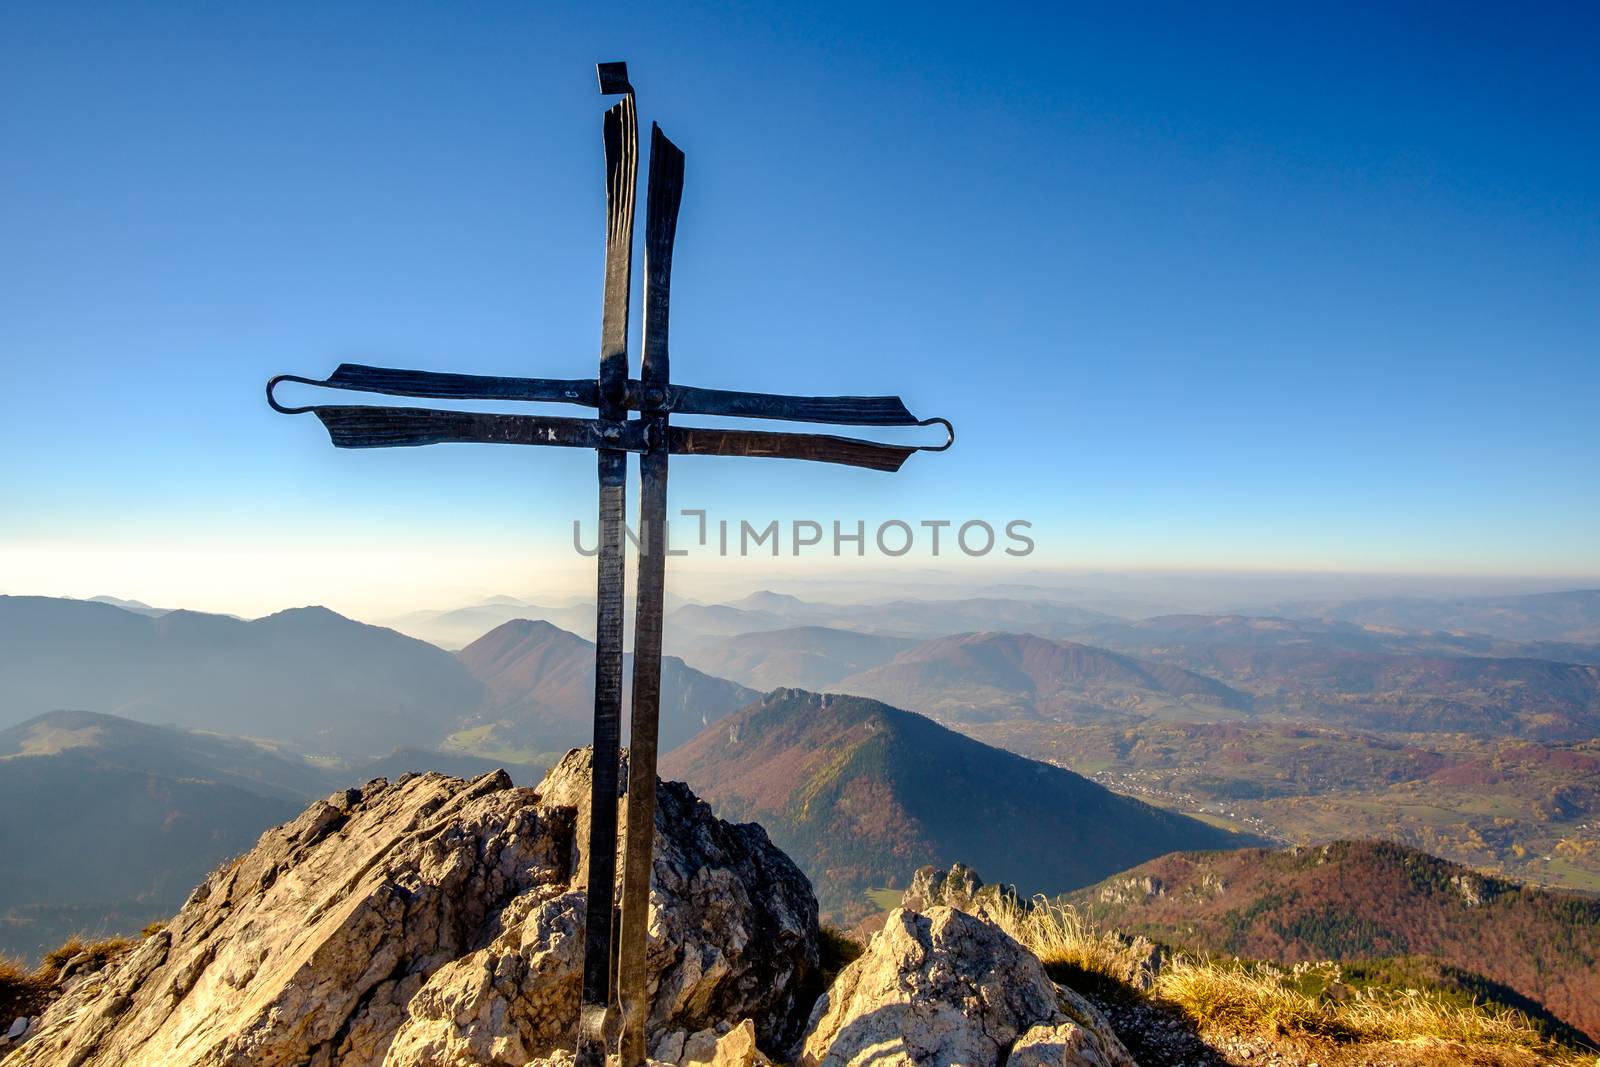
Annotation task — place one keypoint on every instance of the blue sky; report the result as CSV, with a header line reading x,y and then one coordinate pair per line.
x,y
1263,288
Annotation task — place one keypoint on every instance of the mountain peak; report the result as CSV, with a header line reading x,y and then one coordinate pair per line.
x,y
994,675
861,793
523,631
767,600
308,613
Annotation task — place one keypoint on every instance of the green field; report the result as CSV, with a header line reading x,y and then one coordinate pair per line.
x,y
480,741
885,899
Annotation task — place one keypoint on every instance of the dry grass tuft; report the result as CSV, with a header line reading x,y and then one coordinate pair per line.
x,y
28,990
1243,997
1254,997
1073,951
837,950
23,990
90,955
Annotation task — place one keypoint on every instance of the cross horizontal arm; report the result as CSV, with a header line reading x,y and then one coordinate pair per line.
x,y
437,385
362,426
818,447
841,410
639,396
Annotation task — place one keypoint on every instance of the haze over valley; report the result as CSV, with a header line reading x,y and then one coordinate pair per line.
x,y
1476,745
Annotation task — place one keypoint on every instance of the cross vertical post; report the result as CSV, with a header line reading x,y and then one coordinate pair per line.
x,y
664,194
622,165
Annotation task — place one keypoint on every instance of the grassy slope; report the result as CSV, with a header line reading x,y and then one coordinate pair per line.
x,y
1363,900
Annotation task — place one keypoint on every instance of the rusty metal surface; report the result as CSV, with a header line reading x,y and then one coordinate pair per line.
x,y
817,447
375,427
596,1011
360,378
660,227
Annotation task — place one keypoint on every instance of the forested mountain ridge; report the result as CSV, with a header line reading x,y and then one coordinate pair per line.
x,y
862,794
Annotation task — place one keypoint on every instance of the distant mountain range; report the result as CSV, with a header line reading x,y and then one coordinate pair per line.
x,y
1355,900
860,794
1566,624
1203,667
324,684
972,677
457,628
538,683
688,623
895,618
1572,616
1378,679
1176,632
985,677
307,677
109,823
138,607
803,657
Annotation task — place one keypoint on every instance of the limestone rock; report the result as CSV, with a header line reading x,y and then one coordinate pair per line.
x,y
736,1048
959,887
432,921
947,987
1064,1045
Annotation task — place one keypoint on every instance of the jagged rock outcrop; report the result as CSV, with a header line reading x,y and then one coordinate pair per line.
x,y
947,987
434,921
959,887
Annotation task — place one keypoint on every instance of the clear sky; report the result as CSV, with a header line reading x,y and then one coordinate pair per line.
x,y
1260,289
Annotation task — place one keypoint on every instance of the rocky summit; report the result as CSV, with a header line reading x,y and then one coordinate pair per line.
x,y
437,922
433,920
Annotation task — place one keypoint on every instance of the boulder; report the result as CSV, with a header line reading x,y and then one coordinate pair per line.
x,y
434,921
947,987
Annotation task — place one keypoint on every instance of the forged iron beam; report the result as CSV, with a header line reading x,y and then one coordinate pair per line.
x,y
596,1015
358,426
665,194
360,378
819,448
841,410
648,396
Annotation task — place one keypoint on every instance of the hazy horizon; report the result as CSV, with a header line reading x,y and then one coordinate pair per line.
x,y
1126,591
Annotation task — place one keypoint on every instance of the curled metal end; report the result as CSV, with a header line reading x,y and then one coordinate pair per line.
x,y
273,384
950,432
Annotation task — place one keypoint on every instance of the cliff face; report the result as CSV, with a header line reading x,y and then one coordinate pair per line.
x,y
433,920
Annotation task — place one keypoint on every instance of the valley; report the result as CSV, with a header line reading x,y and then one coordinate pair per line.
x,y
1522,808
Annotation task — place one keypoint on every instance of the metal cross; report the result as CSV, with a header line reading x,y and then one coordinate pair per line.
x,y
613,435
